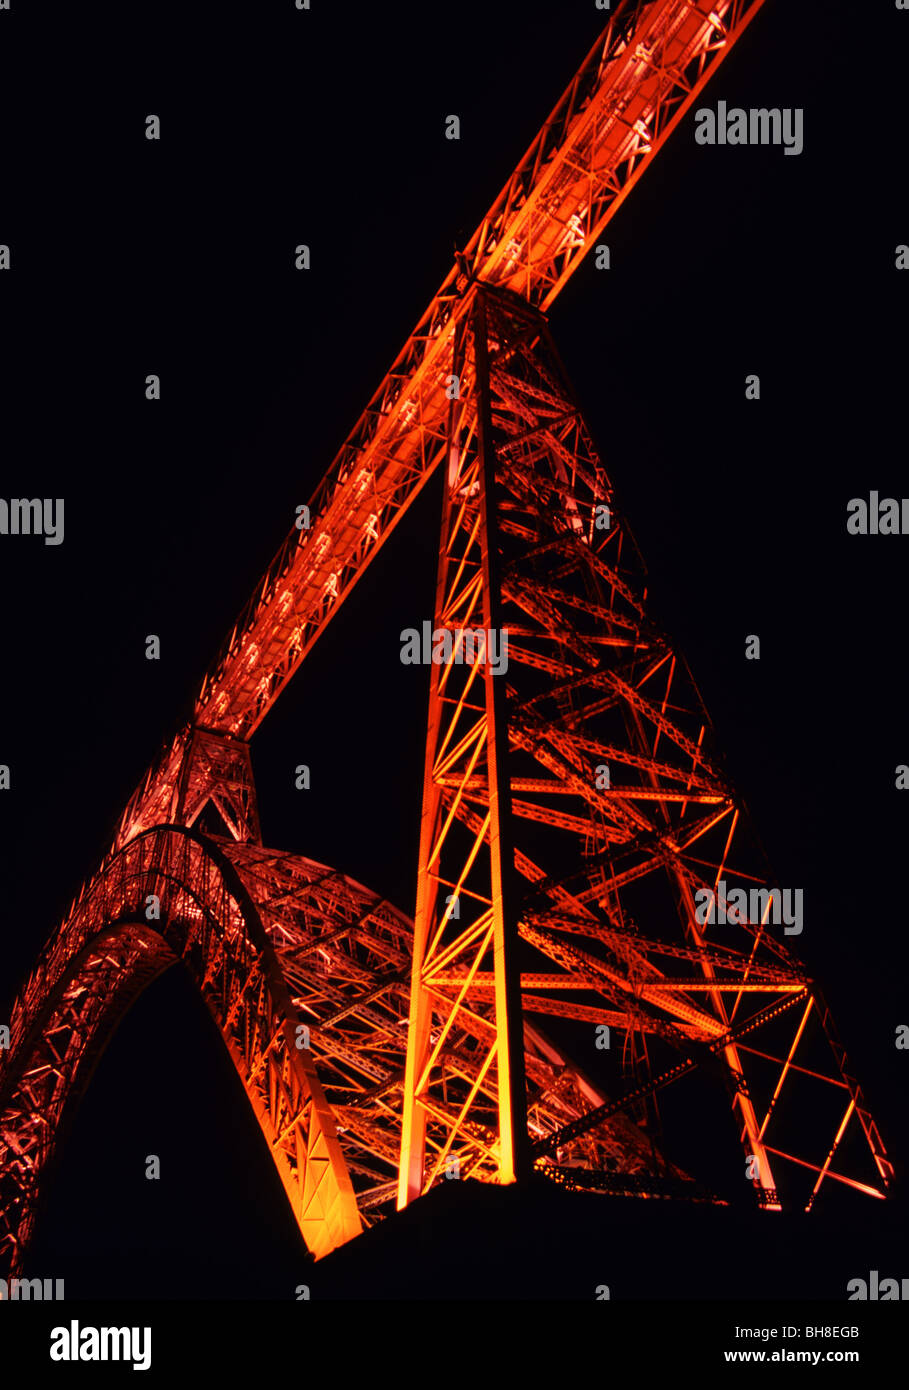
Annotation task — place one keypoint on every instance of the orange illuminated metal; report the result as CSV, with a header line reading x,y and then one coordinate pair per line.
x,y
641,76
376,1053
591,685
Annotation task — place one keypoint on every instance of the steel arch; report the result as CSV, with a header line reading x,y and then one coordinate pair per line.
x,y
98,963
281,948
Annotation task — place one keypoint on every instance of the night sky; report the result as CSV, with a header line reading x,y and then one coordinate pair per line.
x,y
132,257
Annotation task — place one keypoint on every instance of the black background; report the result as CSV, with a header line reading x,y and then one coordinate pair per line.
x,y
131,257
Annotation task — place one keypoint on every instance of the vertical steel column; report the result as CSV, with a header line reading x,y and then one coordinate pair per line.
x,y
512,1149
413,1118
513,1138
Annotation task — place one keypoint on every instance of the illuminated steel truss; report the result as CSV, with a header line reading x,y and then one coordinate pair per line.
x,y
639,79
277,945
574,805
377,1054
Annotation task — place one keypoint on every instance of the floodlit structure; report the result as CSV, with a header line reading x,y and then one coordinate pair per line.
x,y
574,804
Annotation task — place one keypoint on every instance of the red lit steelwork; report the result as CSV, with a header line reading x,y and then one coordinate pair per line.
x,y
586,770
376,1053
641,76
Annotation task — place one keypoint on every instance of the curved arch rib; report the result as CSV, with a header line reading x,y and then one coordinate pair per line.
x,y
98,963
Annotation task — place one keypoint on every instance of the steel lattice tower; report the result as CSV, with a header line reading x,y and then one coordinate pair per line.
x,y
574,804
